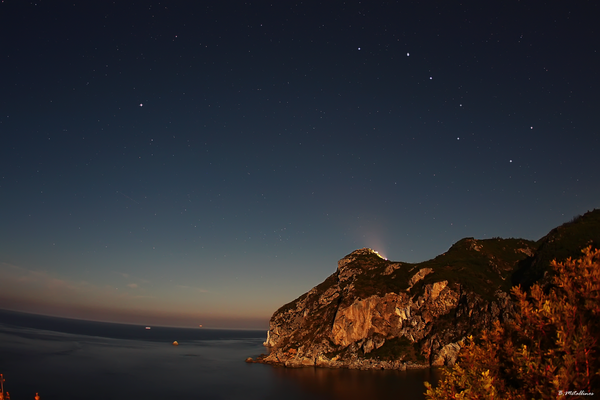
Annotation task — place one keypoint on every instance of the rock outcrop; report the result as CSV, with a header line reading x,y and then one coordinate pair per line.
x,y
369,315
372,313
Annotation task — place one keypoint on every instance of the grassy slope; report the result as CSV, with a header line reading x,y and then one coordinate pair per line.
x,y
484,266
482,271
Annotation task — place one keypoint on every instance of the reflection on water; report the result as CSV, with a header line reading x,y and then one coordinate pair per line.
x,y
352,384
62,365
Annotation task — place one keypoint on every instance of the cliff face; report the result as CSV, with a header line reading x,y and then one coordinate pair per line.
x,y
353,320
372,313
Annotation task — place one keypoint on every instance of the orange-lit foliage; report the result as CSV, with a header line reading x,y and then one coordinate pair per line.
x,y
552,345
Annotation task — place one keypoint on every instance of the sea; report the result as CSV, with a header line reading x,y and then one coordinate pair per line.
x,y
66,359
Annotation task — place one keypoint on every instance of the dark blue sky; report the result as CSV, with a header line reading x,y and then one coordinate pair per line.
x,y
176,162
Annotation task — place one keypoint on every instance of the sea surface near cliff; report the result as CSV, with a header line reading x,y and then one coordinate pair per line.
x,y
70,359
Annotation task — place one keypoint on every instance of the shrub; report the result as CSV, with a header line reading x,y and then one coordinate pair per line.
x,y
551,347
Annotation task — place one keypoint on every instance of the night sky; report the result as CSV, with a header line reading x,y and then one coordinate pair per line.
x,y
185,163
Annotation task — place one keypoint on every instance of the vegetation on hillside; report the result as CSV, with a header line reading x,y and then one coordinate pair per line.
x,y
479,266
399,348
552,346
559,244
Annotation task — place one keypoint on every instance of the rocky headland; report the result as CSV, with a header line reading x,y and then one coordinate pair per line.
x,y
372,313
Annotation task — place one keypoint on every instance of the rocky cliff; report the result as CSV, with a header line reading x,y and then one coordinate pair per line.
x,y
372,313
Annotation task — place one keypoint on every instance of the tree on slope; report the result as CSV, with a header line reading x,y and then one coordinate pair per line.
x,y
552,346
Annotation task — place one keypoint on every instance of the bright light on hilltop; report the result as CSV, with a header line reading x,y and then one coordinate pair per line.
x,y
380,256
373,238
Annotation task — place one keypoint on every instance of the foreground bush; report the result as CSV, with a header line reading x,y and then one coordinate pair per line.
x,y
549,349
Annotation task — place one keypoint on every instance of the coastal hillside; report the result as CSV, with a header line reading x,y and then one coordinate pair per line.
x,y
560,243
373,313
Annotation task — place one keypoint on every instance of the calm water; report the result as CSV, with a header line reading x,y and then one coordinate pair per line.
x,y
70,359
